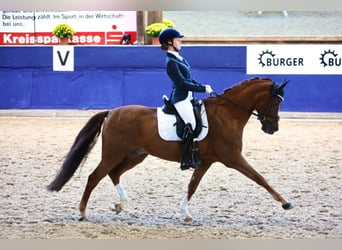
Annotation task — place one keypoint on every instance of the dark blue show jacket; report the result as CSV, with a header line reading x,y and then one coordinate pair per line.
x,y
179,73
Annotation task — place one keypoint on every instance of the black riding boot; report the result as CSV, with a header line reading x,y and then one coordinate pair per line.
x,y
188,161
195,155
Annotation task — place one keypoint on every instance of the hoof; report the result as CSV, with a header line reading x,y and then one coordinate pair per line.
x,y
118,208
188,219
82,219
287,206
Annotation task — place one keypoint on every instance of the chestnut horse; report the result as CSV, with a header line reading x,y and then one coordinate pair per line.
x,y
130,133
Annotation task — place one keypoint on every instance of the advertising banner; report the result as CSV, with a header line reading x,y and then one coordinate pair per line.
x,y
301,59
92,27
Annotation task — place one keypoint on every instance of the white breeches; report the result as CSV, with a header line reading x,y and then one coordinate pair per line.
x,y
185,110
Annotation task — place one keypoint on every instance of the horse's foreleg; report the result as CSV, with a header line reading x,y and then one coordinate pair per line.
x,y
184,208
193,184
247,170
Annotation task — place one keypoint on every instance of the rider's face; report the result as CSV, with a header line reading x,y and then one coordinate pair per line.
x,y
177,43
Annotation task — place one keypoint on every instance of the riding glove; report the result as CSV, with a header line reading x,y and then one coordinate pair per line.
x,y
208,89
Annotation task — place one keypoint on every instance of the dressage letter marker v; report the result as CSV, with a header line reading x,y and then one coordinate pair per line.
x,y
63,61
63,58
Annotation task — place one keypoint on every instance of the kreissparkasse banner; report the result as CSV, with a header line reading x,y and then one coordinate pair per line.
x,y
92,27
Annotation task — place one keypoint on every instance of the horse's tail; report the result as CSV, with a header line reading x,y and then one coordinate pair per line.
x,y
84,142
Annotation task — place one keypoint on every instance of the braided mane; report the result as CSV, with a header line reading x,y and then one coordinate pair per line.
x,y
246,83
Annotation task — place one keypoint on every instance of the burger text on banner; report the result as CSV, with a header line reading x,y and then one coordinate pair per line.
x,y
294,59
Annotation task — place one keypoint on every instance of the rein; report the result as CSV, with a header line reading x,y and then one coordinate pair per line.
x,y
260,117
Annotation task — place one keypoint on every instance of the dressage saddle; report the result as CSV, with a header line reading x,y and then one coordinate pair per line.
x,y
189,148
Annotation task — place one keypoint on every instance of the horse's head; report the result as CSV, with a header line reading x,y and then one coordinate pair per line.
x,y
260,94
268,112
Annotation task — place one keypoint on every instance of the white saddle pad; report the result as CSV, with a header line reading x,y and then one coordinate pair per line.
x,y
167,129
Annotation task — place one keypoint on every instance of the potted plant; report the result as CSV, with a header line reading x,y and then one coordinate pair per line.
x,y
63,32
153,30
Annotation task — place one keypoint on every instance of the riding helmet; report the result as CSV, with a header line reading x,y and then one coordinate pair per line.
x,y
168,34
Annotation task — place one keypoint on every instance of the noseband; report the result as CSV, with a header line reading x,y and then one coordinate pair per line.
x,y
263,117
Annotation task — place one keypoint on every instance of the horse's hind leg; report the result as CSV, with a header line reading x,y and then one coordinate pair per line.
x,y
128,163
94,178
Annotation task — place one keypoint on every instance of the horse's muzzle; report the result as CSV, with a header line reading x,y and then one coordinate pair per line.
x,y
269,127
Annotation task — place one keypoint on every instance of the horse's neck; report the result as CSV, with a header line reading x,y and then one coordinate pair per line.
x,y
225,116
238,102
247,95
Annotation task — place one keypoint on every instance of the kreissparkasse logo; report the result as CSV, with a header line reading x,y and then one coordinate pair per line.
x,y
269,59
329,58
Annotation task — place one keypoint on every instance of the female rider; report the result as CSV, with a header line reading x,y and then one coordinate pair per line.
x,y
183,87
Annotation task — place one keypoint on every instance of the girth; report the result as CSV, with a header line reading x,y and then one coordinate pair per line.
x,y
170,109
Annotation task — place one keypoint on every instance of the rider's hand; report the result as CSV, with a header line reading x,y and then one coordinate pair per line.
x,y
208,89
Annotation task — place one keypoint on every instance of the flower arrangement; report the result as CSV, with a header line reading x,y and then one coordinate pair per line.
x,y
154,29
63,30
168,23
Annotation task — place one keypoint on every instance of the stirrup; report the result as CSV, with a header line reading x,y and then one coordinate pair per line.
x,y
186,163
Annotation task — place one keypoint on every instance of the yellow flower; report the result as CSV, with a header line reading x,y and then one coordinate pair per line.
x,y
63,30
155,28
168,23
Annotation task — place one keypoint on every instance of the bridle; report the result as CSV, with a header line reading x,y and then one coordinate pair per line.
x,y
261,117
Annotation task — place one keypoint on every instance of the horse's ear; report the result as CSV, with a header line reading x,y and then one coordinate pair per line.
x,y
282,86
278,89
